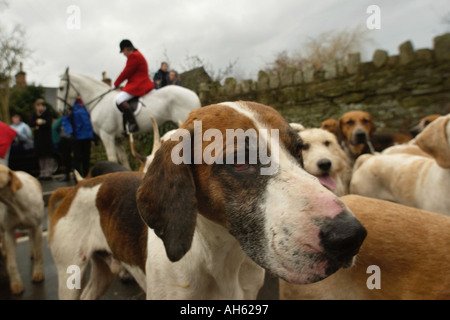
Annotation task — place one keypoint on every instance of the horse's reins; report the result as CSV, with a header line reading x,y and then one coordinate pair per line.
x,y
69,84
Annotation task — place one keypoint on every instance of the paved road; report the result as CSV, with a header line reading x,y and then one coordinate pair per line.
x,y
47,290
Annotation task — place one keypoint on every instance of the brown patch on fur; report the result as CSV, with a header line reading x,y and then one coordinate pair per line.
x,y
122,225
409,245
58,206
331,125
61,200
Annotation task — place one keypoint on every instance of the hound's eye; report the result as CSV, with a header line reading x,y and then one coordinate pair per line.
x,y
241,167
365,121
61,88
326,143
350,122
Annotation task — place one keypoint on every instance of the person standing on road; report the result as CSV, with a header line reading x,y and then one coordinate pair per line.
x,y
77,124
43,145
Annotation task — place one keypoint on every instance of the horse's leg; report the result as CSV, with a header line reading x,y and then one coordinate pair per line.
x,y
122,155
110,146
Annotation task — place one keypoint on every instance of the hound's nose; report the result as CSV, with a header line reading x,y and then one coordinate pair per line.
x,y
324,164
342,236
360,136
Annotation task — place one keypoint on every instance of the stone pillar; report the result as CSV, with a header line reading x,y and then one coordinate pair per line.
x,y
354,60
442,47
379,59
406,54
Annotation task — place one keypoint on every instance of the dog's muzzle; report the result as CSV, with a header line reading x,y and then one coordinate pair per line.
x,y
341,238
359,137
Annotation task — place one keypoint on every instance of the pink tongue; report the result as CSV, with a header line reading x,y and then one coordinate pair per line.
x,y
327,181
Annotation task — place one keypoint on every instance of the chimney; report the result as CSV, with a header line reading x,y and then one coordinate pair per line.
x,y
21,77
106,80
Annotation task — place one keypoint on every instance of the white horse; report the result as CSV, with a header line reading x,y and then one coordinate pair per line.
x,y
170,103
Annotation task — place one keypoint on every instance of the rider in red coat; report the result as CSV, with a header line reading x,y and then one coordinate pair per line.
x,y
138,84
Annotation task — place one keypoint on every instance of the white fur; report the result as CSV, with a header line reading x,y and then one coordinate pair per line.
x,y
24,210
75,238
323,144
214,268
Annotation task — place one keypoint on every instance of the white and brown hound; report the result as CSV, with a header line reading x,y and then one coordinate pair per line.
x,y
21,207
206,231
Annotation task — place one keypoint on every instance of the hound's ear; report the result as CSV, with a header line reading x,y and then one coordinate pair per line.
x,y
435,140
67,71
14,182
167,203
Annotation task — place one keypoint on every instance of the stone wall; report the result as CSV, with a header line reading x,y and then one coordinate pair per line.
x,y
398,90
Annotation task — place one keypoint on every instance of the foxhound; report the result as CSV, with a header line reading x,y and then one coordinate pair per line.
x,y
324,158
355,131
205,228
21,207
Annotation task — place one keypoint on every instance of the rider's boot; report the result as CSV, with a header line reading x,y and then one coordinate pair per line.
x,y
128,117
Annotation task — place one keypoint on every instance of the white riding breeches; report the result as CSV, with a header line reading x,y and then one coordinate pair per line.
x,y
123,96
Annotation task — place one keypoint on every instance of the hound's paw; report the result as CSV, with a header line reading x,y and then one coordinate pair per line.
x,y
17,287
37,276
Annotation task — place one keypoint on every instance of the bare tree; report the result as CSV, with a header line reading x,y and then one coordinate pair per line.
x,y
192,62
335,44
12,51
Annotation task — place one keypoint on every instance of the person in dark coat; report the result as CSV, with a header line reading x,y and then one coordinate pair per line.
x,y
161,77
43,145
78,125
63,143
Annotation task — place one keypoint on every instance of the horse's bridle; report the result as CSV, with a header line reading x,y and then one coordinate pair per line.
x,y
69,85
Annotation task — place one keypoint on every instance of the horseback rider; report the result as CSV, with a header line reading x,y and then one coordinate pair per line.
x,y
138,84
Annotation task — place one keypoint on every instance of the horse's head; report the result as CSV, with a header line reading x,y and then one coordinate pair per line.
x,y
67,93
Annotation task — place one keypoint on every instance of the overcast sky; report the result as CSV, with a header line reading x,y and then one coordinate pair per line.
x,y
250,32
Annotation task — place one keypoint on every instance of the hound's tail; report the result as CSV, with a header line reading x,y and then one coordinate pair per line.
x,y
156,142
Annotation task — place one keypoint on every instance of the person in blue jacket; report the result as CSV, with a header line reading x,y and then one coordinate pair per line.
x,y
77,124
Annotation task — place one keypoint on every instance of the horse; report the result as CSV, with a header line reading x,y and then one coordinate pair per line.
x,y
170,103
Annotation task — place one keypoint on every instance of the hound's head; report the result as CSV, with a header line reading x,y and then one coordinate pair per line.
x,y
323,157
254,186
435,140
356,127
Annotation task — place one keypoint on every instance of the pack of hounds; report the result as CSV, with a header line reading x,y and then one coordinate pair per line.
x,y
345,199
